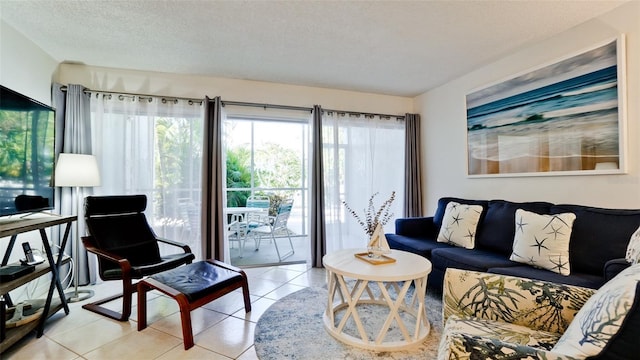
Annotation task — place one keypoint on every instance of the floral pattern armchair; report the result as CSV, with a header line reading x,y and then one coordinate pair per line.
x,y
491,316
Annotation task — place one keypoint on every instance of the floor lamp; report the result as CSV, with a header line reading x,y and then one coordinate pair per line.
x,y
77,170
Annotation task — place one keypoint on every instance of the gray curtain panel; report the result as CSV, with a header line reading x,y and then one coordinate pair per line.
x,y
317,231
413,168
212,182
73,135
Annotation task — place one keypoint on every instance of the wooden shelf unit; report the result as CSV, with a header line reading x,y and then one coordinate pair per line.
x,y
12,229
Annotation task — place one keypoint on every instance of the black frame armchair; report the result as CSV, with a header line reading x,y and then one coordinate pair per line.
x,y
126,247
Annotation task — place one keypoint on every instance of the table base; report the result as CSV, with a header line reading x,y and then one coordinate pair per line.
x,y
393,295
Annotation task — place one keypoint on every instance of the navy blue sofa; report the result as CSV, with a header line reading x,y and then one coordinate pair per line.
x,y
597,248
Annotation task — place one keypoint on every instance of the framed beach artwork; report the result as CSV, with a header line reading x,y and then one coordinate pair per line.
x,y
563,118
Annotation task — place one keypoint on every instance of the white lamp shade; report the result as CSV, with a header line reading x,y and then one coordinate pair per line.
x,y
77,170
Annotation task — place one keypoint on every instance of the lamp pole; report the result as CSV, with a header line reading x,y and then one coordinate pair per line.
x,y
75,171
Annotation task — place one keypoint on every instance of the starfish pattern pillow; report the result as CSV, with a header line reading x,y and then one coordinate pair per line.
x,y
543,240
459,224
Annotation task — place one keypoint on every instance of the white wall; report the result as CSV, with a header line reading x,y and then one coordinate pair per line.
x,y
154,83
27,69
24,67
444,126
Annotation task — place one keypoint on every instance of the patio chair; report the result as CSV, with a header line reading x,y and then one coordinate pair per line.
x,y
278,225
237,232
257,218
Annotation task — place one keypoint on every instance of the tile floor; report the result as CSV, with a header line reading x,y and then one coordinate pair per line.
x,y
222,330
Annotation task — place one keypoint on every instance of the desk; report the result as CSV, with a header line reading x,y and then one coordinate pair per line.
x,y
371,286
12,228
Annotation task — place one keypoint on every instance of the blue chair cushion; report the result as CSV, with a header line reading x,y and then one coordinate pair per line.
x,y
199,279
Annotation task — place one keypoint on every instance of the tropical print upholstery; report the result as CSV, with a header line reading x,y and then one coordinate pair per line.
x,y
490,316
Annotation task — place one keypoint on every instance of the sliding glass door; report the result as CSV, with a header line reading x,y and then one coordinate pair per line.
x,y
268,156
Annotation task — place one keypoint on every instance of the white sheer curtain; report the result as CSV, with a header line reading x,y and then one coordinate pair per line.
x,y
153,146
362,155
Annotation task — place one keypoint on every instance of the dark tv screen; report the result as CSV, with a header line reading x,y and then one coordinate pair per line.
x,y
27,153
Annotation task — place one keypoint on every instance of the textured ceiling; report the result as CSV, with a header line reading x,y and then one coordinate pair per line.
x,y
390,47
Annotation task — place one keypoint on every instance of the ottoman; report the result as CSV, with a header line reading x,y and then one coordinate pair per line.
x,y
192,286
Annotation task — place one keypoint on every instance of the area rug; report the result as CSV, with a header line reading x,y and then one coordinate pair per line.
x,y
292,328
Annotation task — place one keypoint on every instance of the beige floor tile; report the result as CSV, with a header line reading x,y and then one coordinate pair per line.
x,y
32,348
280,275
283,291
260,287
77,317
146,344
157,308
195,353
104,331
227,304
258,307
201,319
256,271
222,330
230,337
250,354
295,267
313,277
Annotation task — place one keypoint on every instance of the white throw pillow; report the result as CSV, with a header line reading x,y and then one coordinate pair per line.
x,y
601,317
633,249
459,224
543,240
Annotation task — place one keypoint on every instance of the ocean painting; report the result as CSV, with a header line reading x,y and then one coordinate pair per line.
x,y
561,118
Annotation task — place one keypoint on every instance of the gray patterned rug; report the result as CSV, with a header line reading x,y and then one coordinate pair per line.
x,y
292,328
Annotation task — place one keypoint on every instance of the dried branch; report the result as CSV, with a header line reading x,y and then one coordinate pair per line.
x,y
372,217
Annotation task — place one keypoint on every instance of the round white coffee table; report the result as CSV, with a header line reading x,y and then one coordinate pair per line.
x,y
357,282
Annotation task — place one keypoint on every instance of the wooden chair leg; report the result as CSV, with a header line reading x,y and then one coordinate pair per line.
x,y
127,291
142,305
245,293
185,317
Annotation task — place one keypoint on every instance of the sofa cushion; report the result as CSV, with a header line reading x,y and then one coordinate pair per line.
x,y
497,228
442,206
468,259
459,224
543,240
614,267
593,240
605,317
418,246
633,248
578,279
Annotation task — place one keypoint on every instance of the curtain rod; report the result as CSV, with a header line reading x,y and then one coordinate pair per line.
x,y
358,113
89,91
265,106
302,108
240,103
